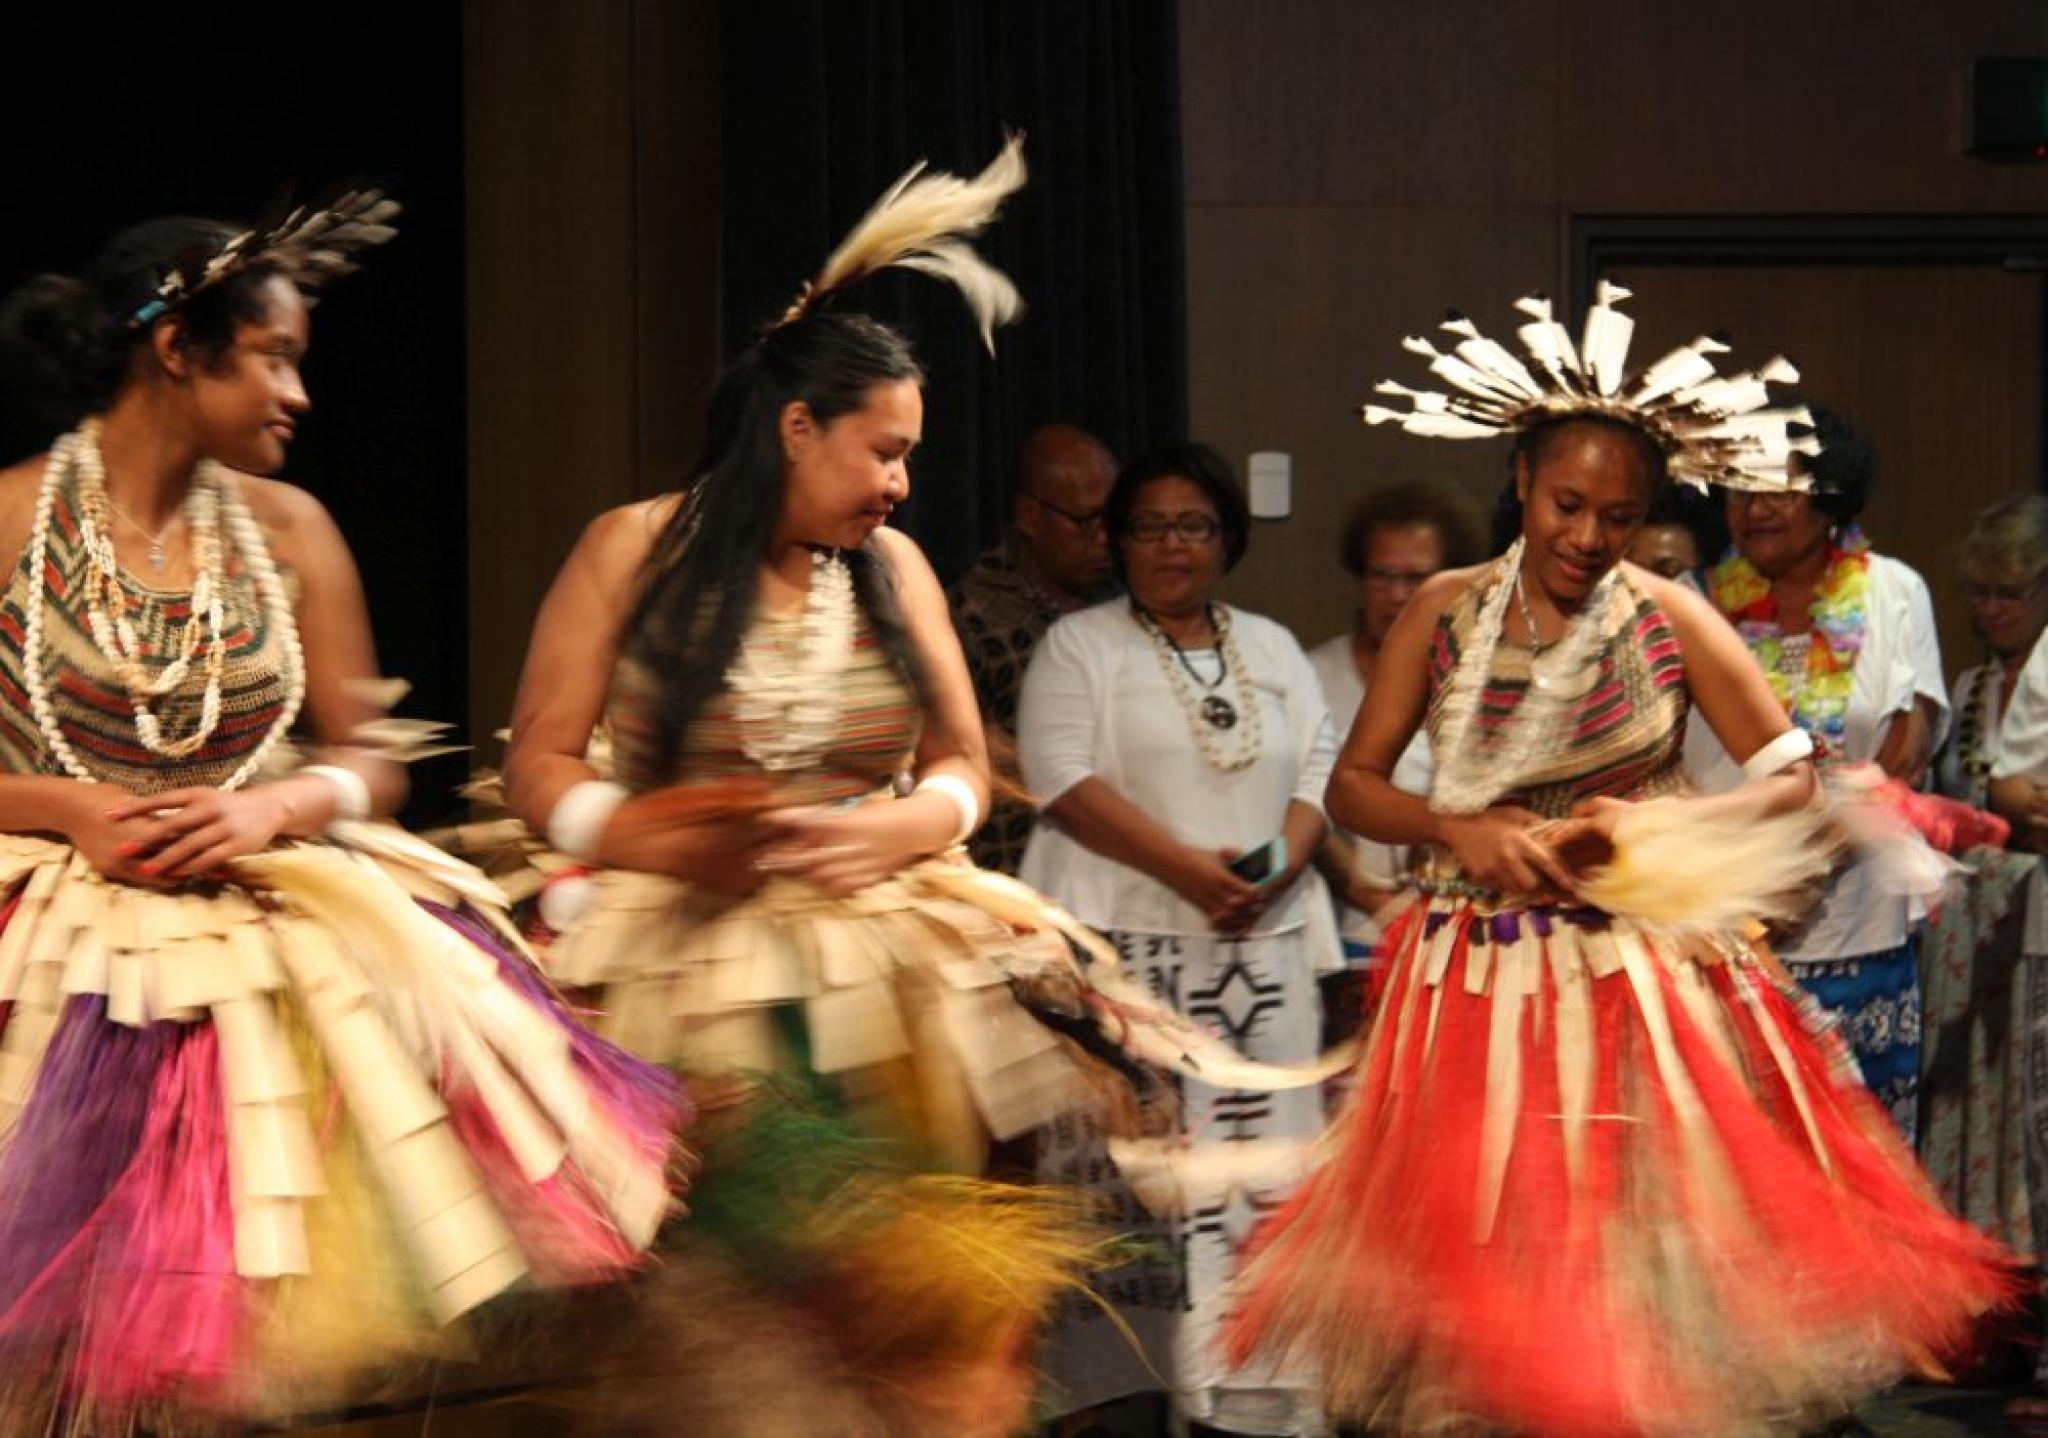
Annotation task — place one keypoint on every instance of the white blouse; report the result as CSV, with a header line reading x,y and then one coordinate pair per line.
x,y
2021,751
1900,660
1382,865
1098,704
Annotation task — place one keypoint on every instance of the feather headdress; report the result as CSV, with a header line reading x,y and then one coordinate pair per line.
x,y
309,247
1713,428
922,223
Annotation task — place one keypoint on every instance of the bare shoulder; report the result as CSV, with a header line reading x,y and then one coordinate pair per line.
x,y
1441,590
19,486
282,508
615,544
904,557
1686,608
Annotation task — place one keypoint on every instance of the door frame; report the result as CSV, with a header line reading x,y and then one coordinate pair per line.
x,y
2018,242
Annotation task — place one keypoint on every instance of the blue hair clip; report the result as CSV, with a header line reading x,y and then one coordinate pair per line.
x,y
148,313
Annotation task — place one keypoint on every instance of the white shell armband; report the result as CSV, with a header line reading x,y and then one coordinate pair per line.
x,y
577,821
351,790
1785,750
964,802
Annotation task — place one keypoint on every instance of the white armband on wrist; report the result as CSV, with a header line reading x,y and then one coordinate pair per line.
x,y
964,802
577,821
351,790
1785,750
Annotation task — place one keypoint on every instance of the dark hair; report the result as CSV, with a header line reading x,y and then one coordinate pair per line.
x,y
703,572
1845,470
1536,444
1443,507
71,337
1202,467
1697,513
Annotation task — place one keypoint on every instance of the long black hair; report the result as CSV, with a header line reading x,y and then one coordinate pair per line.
x,y
69,339
702,576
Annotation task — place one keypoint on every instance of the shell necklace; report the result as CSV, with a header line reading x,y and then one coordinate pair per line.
x,y
211,507
1228,733
788,704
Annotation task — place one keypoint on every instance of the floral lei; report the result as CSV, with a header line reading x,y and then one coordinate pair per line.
x,y
1820,704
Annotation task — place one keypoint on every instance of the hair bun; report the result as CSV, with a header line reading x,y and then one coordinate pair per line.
x,y
59,338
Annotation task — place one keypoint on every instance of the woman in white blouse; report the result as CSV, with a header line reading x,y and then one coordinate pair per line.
x,y
1179,749
1397,537
2004,561
1846,638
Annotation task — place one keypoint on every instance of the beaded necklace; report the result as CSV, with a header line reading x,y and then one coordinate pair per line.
x,y
1227,733
1973,728
1819,701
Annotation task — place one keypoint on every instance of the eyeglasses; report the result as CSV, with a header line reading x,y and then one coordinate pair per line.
x,y
1087,523
2003,593
1764,498
1192,527
1397,578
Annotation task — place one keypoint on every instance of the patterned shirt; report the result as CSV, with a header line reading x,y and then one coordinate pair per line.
x,y
1001,613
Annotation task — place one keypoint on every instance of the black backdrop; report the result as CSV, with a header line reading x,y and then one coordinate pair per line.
x,y
825,103
119,115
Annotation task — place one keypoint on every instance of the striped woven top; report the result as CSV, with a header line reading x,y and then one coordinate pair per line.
x,y
1625,716
879,725
92,704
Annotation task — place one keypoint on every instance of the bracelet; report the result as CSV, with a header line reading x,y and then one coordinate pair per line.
x,y
351,790
962,795
577,821
1785,750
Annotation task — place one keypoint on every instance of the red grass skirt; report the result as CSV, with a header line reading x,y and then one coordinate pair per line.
x,y
1598,1178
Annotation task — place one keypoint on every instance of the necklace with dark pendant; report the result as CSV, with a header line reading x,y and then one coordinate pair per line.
x,y
1218,712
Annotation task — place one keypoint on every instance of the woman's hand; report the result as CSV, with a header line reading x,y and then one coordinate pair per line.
x,y
1203,877
845,850
720,852
1502,849
110,844
185,833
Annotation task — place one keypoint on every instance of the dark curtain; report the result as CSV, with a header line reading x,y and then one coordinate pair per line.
x,y
826,103
210,113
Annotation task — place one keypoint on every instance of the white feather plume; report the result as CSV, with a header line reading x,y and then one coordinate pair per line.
x,y
922,223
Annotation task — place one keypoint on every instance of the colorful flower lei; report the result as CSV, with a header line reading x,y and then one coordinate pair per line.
x,y
1820,704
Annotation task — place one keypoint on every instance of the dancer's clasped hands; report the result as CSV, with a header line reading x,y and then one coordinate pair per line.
x,y
155,840
1509,849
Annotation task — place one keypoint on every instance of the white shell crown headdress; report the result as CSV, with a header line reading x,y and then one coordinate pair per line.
x,y
1713,428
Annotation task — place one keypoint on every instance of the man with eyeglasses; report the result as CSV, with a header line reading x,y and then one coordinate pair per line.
x,y
1055,559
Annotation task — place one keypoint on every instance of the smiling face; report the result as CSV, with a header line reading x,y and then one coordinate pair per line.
x,y
2009,610
1775,531
245,405
1584,491
842,478
1168,570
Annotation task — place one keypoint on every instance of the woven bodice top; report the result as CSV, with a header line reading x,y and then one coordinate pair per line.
x,y
92,704
879,723
1623,727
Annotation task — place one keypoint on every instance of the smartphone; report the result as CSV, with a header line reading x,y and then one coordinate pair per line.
x,y
1263,864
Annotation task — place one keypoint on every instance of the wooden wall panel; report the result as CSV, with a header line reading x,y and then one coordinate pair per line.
x,y
1749,105
1327,102
1355,166
592,208
1939,366
1283,354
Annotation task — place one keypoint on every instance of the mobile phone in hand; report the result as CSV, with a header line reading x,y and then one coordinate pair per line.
x,y
1263,864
